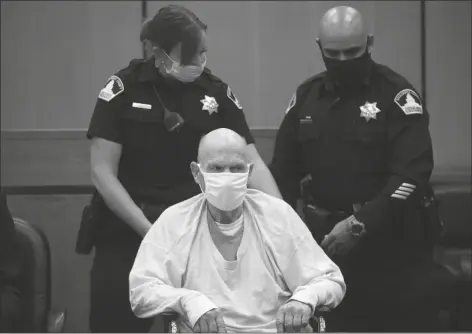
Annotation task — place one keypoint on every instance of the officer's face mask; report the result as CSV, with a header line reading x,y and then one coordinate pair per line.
x,y
185,73
351,72
226,191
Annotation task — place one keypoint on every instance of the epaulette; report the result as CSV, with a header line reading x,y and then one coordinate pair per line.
x,y
209,78
136,61
392,76
313,79
130,71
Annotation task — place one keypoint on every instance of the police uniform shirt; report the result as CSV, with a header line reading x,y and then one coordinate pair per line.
x,y
155,163
370,146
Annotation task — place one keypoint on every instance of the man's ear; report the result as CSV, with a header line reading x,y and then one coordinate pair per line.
x,y
251,168
319,45
195,171
370,43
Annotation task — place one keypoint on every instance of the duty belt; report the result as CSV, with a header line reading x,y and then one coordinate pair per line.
x,y
321,221
151,211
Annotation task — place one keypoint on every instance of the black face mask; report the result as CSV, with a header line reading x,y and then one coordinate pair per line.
x,y
349,73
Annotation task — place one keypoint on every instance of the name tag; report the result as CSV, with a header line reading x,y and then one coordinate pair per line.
x,y
142,105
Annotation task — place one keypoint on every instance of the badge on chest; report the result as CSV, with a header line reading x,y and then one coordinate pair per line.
x,y
369,111
209,103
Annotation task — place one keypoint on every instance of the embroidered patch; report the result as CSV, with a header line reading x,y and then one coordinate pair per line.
x,y
369,111
113,88
142,105
210,104
292,103
409,102
233,98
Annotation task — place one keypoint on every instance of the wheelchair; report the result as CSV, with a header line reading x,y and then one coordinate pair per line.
x,y
317,321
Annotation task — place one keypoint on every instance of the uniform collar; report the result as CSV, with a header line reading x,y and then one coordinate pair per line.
x,y
330,86
148,71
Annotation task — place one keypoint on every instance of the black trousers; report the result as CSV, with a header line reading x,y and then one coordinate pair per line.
x,y
396,299
110,309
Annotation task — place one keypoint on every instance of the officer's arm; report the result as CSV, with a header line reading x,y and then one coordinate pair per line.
x,y
410,164
261,178
286,166
105,132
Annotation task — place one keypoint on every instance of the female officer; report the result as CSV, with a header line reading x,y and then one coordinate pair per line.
x,y
145,131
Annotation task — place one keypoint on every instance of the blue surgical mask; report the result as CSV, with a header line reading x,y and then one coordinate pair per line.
x,y
185,73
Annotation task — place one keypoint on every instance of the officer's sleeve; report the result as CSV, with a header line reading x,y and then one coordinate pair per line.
x,y
411,157
234,115
105,122
286,165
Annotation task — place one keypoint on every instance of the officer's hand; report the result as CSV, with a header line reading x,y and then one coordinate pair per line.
x,y
210,322
340,240
293,317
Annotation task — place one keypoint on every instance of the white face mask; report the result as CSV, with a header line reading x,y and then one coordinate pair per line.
x,y
226,191
187,73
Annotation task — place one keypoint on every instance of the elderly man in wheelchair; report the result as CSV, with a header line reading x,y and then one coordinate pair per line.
x,y
232,259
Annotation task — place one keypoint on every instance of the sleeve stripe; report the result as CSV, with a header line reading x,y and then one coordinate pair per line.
x,y
412,186
405,189
398,196
403,193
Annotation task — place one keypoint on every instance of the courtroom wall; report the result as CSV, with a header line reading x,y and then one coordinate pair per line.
x,y
56,56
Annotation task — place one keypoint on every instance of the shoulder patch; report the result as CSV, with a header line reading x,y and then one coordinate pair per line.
x,y
409,101
233,98
113,87
292,103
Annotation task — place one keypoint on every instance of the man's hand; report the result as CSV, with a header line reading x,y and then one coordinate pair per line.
x,y
340,240
293,317
210,322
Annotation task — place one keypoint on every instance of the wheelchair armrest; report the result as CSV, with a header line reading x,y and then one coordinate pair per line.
x,y
169,315
169,319
317,317
56,321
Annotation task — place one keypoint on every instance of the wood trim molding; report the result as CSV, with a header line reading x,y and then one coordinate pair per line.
x,y
57,161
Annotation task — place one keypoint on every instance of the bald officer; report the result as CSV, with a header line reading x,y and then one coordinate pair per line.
x,y
356,136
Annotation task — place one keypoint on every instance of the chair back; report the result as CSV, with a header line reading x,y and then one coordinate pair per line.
x,y
34,276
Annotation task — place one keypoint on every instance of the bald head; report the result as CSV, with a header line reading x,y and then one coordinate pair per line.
x,y
221,144
342,28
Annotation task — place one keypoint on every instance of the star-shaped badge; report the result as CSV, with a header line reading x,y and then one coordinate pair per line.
x,y
369,111
210,104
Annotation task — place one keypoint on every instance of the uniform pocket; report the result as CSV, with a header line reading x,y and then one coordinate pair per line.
x,y
369,151
370,136
307,130
142,129
142,115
